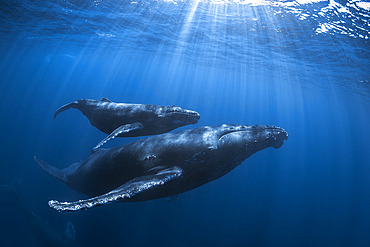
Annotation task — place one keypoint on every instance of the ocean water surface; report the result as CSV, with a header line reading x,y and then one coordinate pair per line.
x,y
301,65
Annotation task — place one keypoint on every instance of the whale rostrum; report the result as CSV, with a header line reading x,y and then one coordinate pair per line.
x,y
130,120
162,165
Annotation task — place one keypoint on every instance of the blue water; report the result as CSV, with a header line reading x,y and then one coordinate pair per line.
x,y
301,65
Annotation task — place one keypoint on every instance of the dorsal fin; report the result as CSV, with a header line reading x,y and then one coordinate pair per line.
x,y
105,99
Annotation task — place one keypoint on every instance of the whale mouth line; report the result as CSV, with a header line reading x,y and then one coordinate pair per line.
x,y
281,131
196,115
232,131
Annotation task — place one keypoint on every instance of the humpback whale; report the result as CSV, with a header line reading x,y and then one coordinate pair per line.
x,y
162,165
129,120
45,233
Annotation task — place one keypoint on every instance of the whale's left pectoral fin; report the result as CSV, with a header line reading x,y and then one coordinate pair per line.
x,y
122,129
126,191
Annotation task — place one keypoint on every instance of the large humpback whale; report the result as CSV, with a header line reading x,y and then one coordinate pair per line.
x,y
163,165
123,120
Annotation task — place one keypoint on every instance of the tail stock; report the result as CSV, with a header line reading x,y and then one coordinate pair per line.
x,y
51,170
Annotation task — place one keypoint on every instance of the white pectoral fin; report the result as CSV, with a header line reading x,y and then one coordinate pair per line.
x,y
125,191
122,129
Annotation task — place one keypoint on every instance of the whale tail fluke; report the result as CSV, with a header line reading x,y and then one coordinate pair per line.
x,y
74,104
51,170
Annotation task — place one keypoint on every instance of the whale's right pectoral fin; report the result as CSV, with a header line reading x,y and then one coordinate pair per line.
x,y
122,129
126,191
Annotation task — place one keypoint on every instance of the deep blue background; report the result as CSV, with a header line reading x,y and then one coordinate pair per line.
x,y
313,191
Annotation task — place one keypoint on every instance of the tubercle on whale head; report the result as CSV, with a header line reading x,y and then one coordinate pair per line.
x,y
193,116
179,115
274,136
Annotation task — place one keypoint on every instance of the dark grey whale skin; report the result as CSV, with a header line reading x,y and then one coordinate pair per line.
x,y
198,156
107,116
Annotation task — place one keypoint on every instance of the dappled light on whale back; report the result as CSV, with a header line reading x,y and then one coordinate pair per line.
x,y
179,162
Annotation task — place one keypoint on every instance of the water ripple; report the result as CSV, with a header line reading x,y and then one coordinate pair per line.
x,y
314,32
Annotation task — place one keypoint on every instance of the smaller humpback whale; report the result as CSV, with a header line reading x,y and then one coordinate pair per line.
x,y
129,120
162,165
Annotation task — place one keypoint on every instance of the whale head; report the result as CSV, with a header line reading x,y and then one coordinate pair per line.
x,y
178,116
241,141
